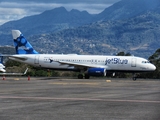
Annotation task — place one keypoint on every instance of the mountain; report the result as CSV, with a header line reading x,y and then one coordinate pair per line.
x,y
138,35
127,9
7,50
48,21
129,25
59,18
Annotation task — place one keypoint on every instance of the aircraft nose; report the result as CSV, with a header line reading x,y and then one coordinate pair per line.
x,y
153,67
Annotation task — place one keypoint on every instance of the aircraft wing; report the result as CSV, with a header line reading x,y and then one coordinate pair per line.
x,y
83,65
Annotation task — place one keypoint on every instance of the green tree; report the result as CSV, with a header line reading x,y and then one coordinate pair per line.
x,y
11,63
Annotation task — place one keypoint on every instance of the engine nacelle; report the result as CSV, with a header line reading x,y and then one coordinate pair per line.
x,y
97,72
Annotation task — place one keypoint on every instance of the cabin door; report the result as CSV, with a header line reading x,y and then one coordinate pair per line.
x,y
133,64
36,60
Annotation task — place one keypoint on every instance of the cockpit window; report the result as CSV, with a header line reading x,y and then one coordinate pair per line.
x,y
145,62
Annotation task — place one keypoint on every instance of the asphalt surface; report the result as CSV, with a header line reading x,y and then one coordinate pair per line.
x,y
74,99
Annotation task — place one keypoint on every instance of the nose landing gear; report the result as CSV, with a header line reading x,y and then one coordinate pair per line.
x,y
134,77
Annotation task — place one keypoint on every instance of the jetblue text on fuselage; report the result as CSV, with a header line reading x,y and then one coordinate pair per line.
x,y
116,61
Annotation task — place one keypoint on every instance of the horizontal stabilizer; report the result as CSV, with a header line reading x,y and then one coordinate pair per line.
x,y
12,74
2,67
3,70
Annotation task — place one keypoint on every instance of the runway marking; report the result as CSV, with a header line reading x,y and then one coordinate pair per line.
x,y
78,99
75,83
108,80
16,78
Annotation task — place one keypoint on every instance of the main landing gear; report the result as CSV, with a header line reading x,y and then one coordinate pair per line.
x,y
134,77
80,76
86,76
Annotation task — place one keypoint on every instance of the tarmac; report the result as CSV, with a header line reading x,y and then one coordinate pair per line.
x,y
50,98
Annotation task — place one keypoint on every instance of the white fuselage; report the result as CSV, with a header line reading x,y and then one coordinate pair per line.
x,y
64,62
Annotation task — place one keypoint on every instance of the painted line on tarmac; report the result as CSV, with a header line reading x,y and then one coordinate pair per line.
x,y
78,99
74,83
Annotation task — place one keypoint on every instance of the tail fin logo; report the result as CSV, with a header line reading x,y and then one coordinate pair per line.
x,y
21,40
22,46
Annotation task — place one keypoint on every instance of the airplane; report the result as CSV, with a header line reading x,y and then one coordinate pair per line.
x,y
15,74
2,67
4,71
86,65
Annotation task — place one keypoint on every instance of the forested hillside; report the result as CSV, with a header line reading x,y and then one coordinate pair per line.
x,y
9,50
138,35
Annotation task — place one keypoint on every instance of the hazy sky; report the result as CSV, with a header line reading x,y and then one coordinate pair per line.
x,y
16,9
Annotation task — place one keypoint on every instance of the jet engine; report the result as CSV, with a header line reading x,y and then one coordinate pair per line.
x,y
97,72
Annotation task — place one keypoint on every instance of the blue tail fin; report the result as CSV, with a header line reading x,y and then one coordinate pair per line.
x,y
22,46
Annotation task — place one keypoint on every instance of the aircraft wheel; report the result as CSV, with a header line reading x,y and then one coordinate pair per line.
x,y
134,78
86,76
80,76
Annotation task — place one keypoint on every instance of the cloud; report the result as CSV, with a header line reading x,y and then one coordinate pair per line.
x,y
11,11
16,9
